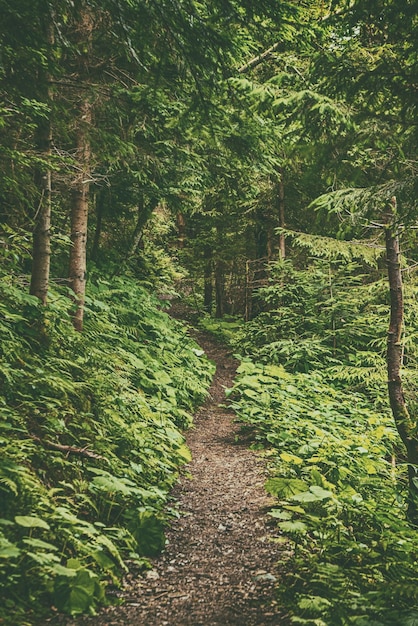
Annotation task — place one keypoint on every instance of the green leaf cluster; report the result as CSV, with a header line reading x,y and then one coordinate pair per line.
x,y
339,486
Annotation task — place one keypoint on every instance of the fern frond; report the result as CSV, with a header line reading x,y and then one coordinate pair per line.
x,y
335,249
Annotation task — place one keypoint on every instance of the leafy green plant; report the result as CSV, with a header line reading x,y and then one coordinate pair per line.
x,y
91,440
339,487
311,389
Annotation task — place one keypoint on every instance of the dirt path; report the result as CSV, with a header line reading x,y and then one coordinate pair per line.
x,y
221,565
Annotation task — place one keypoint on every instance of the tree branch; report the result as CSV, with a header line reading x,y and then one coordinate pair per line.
x,y
258,59
68,449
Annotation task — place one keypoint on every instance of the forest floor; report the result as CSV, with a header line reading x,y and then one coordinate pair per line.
x,y
221,564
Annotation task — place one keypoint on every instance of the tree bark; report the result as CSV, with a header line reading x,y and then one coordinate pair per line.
x,y
79,215
80,192
181,229
281,207
406,426
208,282
144,214
219,289
100,204
41,239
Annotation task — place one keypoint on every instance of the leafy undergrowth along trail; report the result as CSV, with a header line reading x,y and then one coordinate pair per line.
x,y
221,563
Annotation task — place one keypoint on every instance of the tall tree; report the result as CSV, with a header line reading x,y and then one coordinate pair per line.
x,y
405,423
41,250
83,30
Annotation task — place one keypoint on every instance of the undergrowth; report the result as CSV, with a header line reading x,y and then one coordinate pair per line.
x,y
312,392
91,440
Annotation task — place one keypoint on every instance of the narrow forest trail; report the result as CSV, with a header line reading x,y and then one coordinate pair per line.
x,y
221,563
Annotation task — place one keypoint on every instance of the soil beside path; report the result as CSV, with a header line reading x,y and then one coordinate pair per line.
x,y
220,566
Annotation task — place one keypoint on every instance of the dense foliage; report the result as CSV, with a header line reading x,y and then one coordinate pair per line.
x,y
91,437
312,392
140,135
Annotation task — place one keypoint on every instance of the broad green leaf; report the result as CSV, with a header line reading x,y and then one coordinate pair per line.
x,y
8,550
293,527
276,371
44,558
285,487
38,543
291,458
314,603
314,494
185,453
251,393
103,560
74,595
279,514
321,492
306,496
60,570
30,521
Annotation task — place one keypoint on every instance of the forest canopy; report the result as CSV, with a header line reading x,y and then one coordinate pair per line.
x,y
260,159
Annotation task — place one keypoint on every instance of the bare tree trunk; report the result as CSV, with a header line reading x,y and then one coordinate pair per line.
x,y
406,426
80,192
219,288
208,283
100,204
248,292
79,215
144,214
181,229
281,207
41,240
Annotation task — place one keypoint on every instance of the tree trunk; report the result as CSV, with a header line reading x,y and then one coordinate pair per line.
x,y
80,192
219,288
281,207
79,215
208,283
144,214
41,239
181,229
100,204
405,425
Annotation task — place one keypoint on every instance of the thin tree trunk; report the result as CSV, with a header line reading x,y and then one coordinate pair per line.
x,y
144,214
219,289
100,203
79,215
208,282
41,240
80,192
281,207
248,292
181,229
406,426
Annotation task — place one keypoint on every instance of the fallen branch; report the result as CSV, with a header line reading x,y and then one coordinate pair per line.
x,y
67,449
